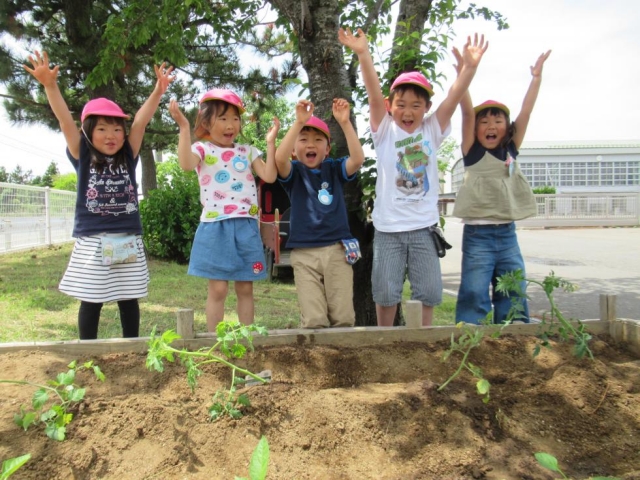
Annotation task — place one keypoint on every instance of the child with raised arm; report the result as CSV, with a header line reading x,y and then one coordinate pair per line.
x,y
227,245
405,211
493,196
108,261
319,232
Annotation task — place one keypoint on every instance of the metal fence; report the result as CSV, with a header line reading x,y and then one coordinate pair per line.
x,y
585,210
34,216
575,210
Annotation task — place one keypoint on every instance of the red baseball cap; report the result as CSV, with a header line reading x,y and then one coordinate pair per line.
x,y
315,122
226,96
103,107
492,104
414,78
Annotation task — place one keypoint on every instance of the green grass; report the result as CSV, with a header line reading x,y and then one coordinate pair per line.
x,y
32,308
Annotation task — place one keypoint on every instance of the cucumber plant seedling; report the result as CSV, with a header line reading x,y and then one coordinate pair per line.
x,y
231,339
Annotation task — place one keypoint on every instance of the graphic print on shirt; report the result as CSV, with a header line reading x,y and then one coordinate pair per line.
x,y
111,192
411,166
324,196
227,185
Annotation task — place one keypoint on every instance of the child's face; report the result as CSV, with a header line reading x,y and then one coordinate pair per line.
x,y
224,129
311,148
491,130
408,110
108,138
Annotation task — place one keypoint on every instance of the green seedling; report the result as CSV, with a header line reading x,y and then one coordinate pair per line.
x,y
54,414
231,339
259,461
550,462
555,322
471,338
11,466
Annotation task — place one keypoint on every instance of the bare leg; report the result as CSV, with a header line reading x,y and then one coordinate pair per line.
x,y
386,315
216,295
244,292
427,315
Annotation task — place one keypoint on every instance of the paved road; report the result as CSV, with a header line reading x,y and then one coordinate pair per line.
x,y
598,260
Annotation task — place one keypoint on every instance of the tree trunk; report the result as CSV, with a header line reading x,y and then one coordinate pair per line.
x,y
316,23
149,180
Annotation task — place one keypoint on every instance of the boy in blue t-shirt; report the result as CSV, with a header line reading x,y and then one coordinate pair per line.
x,y
319,223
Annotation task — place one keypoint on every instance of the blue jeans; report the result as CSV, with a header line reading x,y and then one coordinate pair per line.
x,y
488,251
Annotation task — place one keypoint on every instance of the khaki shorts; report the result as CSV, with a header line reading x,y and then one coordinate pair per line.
x,y
324,282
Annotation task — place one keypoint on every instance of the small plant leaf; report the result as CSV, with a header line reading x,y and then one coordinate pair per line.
x,y
259,463
11,465
40,397
98,373
55,432
547,461
244,400
483,386
76,394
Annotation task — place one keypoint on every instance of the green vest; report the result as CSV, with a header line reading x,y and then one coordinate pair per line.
x,y
489,192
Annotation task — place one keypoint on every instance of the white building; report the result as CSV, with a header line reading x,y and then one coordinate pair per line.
x,y
576,167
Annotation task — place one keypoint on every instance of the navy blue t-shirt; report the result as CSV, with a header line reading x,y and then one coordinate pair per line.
x,y
107,200
318,210
477,151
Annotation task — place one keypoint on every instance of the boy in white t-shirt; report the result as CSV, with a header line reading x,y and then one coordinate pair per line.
x,y
406,141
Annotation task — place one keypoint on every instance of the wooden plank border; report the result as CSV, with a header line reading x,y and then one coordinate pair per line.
x,y
622,330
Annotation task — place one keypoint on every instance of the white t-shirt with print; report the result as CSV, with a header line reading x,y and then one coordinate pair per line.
x,y
407,186
227,184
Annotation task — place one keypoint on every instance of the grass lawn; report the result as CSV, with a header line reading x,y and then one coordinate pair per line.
x,y
32,308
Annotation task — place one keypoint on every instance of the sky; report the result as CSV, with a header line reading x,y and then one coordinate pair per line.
x,y
589,87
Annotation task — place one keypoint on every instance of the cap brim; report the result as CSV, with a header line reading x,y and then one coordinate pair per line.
x,y
480,108
240,109
425,88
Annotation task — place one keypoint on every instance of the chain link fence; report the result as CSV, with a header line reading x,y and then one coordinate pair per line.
x,y
34,216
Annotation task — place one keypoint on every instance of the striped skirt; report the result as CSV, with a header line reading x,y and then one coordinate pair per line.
x,y
88,280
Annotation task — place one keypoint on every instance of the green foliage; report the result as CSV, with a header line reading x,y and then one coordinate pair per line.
x,y
54,413
233,340
170,214
66,181
259,461
544,190
11,466
550,462
553,323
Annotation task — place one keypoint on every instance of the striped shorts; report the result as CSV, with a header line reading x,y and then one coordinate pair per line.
x,y
396,254
88,280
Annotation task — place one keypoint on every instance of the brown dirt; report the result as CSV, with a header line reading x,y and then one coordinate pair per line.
x,y
344,413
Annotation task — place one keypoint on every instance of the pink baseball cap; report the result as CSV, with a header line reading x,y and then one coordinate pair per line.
x,y
226,96
315,122
414,78
491,104
103,107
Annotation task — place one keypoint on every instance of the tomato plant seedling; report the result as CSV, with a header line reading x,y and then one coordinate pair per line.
x,y
231,339
55,415
555,323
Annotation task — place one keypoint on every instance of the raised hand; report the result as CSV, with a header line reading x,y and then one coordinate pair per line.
x,y
177,115
358,44
41,71
341,110
472,52
304,111
536,70
272,134
459,61
164,76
